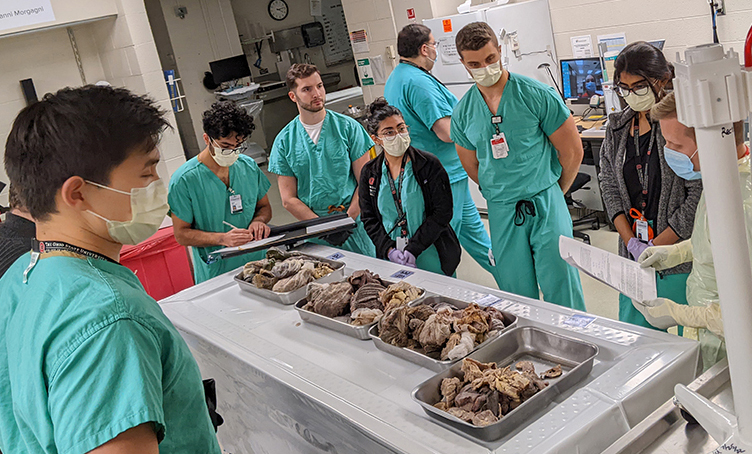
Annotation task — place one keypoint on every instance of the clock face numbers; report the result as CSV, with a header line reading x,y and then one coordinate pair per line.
x,y
278,9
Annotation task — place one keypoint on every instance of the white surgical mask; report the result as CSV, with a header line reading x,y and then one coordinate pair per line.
x,y
225,157
397,145
148,209
488,75
640,103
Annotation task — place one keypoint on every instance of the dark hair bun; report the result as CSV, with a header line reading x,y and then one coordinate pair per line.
x,y
378,104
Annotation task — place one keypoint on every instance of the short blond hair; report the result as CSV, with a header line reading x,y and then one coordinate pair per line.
x,y
666,108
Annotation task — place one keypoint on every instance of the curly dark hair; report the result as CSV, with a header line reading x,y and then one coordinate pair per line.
x,y
85,131
224,118
378,111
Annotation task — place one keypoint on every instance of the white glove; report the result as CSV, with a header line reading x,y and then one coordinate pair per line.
x,y
665,257
657,312
664,313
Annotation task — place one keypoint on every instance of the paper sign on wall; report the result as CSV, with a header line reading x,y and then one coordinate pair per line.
x,y
20,13
411,13
365,72
359,41
448,51
615,42
316,9
582,46
447,23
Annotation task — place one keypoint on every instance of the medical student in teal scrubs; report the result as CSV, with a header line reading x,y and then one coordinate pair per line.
x,y
406,198
318,157
517,139
426,105
89,363
218,199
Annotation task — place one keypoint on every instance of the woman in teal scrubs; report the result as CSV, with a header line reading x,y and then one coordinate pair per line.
x,y
406,198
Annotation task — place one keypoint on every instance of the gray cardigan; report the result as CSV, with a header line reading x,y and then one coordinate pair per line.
x,y
679,197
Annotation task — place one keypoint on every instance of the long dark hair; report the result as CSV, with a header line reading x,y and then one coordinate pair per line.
x,y
643,59
378,111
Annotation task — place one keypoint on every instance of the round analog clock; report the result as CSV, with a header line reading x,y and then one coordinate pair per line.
x,y
278,9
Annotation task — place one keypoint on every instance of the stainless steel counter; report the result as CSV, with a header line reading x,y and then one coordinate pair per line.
x,y
285,386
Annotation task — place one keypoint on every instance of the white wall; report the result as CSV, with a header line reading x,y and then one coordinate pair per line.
x,y
682,23
69,11
120,51
207,33
300,13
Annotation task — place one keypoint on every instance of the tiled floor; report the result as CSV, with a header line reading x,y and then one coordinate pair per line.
x,y
599,299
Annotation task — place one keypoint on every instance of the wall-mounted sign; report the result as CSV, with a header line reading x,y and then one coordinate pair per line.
x,y
20,13
411,13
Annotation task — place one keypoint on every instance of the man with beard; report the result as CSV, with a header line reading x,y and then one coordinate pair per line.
x,y
318,157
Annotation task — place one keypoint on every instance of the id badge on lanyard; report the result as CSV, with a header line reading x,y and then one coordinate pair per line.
x,y
499,145
236,204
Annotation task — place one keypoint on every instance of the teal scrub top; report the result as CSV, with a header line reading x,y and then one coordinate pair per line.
x,y
415,210
323,170
86,354
423,100
198,197
531,111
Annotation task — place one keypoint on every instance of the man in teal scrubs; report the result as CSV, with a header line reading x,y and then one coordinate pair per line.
x,y
218,198
318,157
427,105
88,361
517,139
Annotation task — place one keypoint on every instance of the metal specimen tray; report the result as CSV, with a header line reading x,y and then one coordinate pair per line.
x,y
292,297
340,324
543,348
422,359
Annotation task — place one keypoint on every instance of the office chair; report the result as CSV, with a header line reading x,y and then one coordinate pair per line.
x,y
579,183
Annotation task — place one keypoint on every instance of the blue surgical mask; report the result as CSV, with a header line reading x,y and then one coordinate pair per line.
x,y
681,164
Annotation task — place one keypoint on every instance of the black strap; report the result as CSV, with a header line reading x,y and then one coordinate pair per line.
x,y
407,62
523,209
642,174
397,196
44,247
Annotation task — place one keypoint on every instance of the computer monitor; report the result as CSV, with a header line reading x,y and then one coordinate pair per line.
x,y
659,43
581,78
230,69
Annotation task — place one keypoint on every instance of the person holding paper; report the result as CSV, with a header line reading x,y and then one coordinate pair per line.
x,y
518,141
218,199
406,198
318,157
426,105
702,318
647,202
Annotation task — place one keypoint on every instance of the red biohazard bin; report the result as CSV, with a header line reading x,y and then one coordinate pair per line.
x,y
160,263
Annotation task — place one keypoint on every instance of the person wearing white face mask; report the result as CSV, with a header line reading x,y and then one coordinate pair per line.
x,y
647,202
88,361
218,198
406,198
426,105
702,318
517,140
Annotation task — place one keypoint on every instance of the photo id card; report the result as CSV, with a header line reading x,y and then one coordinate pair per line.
x,y
642,230
499,146
236,204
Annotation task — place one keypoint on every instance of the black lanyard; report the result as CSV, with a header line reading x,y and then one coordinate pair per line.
x,y
422,69
397,196
46,247
642,174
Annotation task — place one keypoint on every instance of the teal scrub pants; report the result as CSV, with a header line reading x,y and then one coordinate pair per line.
x,y
469,228
672,286
527,256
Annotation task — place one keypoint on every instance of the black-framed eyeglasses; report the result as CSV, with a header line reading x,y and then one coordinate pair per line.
x,y
642,89
228,151
392,133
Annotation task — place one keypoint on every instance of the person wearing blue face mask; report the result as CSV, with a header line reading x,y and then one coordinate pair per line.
x,y
647,202
702,318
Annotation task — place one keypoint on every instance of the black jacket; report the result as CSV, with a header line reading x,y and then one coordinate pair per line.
x,y
16,235
437,196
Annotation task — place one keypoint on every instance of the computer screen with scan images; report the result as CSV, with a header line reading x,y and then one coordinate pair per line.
x,y
581,78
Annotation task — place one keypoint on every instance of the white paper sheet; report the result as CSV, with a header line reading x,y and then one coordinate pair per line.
x,y
582,46
329,225
623,275
248,245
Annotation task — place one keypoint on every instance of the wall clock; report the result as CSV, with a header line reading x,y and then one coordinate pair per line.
x,y
278,9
